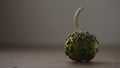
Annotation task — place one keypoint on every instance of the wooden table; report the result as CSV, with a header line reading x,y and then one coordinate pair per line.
x,y
53,57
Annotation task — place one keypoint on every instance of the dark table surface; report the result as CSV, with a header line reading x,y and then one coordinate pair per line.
x,y
107,57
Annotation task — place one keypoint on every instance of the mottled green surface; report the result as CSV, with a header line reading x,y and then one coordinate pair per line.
x,y
81,46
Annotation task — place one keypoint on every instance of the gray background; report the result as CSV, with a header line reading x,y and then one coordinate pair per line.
x,y
50,21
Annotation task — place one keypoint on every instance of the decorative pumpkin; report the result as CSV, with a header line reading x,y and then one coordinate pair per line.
x,y
80,46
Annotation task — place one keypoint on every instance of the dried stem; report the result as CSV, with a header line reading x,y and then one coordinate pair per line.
x,y
77,13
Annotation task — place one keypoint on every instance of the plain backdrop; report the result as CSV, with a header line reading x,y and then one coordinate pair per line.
x,y
50,21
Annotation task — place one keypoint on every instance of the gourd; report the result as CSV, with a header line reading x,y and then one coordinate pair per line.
x,y
81,46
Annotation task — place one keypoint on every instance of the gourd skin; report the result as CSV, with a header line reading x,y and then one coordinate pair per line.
x,y
81,46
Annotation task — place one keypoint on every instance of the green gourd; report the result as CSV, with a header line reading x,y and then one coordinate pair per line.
x,y
81,46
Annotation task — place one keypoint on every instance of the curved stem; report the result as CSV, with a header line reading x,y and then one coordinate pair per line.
x,y
77,13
